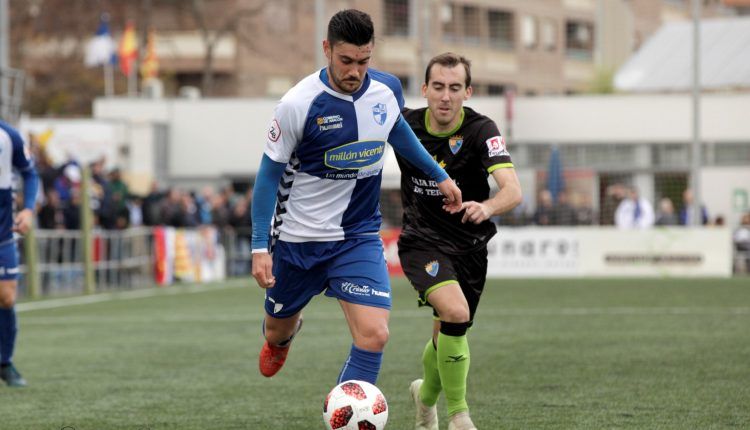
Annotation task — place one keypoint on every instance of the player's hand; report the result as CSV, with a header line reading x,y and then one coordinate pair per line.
x,y
23,220
475,212
452,199
263,270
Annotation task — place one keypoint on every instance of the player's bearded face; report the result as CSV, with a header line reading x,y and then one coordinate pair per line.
x,y
445,94
347,65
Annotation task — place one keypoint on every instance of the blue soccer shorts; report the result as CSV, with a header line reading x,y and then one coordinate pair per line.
x,y
8,261
352,270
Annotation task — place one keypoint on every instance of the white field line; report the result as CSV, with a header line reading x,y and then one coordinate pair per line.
x,y
255,314
121,295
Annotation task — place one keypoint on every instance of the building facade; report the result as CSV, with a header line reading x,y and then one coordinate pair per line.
x,y
258,48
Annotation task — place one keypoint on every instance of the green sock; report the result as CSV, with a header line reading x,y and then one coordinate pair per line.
x,y
430,390
453,365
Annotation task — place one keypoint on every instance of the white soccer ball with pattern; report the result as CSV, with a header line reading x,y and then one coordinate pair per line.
x,y
355,405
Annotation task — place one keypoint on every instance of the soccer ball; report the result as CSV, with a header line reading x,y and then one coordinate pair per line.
x,y
355,405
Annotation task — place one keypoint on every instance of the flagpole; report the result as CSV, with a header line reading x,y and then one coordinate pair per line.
x,y
132,82
108,80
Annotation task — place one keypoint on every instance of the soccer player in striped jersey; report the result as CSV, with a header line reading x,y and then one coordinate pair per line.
x,y
444,255
321,172
13,156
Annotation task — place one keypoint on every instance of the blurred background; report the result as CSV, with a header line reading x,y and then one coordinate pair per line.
x,y
148,117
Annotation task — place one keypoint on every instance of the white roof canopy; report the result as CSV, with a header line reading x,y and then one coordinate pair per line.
x,y
665,61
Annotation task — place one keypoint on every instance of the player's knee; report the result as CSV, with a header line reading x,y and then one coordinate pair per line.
x,y
375,337
7,299
455,314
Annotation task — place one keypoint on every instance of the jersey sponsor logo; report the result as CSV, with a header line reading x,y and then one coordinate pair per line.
x,y
432,268
455,143
380,113
496,146
355,155
362,290
330,122
274,132
426,187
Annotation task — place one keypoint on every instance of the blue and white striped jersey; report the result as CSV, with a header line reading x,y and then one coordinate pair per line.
x,y
13,155
334,146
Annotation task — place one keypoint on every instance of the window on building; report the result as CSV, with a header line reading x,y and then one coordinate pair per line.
x,y
405,83
579,40
734,154
448,13
548,35
471,18
495,89
529,31
478,89
500,29
396,17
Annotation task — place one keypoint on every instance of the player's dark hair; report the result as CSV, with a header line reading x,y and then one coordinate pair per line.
x,y
449,60
350,26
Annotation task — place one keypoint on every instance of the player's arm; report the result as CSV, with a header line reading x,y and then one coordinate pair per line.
x,y
23,162
507,198
405,142
264,203
283,135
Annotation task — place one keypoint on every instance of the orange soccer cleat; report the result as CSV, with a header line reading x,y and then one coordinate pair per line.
x,y
272,357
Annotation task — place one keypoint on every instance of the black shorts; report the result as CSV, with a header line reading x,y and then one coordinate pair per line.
x,y
429,270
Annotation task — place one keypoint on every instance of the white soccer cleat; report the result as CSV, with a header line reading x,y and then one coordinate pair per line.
x,y
461,421
426,415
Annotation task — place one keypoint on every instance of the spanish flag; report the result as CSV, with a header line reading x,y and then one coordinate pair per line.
x,y
150,64
128,49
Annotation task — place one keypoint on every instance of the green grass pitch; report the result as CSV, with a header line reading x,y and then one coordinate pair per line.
x,y
546,354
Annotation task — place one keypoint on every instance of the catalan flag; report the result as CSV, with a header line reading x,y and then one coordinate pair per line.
x,y
150,64
128,49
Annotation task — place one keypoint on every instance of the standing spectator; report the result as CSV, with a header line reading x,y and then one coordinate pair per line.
x,y
665,215
120,192
562,212
614,195
686,214
135,212
634,212
545,209
51,216
220,210
151,207
172,212
741,240
584,210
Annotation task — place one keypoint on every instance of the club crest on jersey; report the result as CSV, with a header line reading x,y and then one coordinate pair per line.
x,y
496,146
380,113
432,268
455,143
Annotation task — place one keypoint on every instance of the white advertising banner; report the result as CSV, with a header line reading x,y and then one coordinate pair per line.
x,y
611,252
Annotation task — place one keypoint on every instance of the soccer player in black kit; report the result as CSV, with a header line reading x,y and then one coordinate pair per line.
x,y
445,255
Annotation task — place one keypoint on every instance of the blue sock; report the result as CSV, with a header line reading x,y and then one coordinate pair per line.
x,y
361,365
8,331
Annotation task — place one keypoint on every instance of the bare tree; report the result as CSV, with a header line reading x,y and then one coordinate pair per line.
x,y
212,35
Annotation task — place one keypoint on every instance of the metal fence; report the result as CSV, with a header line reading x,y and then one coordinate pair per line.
x,y
121,260
124,259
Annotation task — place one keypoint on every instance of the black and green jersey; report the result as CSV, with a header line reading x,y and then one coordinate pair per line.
x,y
468,153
